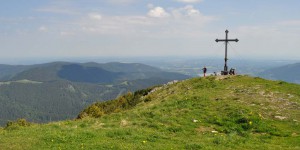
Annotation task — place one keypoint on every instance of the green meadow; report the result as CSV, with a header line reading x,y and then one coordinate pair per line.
x,y
232,112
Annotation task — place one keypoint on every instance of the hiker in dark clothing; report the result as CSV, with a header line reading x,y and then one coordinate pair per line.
x,y
232,71
204,70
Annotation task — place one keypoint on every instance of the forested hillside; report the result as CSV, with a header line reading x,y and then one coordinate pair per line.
x,y
8,71
59,90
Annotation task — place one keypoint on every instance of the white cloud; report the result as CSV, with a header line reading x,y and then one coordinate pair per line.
x,y
116,25
190,1
157,23
95,16
43,29
158,12
188,10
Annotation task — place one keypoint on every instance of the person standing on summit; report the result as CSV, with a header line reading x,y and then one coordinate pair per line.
x,y
204,71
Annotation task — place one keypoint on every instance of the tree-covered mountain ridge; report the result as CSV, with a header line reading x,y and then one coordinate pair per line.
x,y
223,112
60,90
90,72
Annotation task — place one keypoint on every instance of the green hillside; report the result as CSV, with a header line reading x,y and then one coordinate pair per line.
x,y
60,90
237,112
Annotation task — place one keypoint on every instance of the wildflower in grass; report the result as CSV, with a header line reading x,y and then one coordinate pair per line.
x,y
144,142
52,140
250,123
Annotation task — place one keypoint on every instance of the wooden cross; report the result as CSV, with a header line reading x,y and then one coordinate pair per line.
x,y
226,40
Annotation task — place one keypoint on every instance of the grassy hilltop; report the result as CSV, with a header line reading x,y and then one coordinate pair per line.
x,y
238,112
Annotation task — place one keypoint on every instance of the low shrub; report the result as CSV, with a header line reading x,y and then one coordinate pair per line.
x,y
17,123
124,102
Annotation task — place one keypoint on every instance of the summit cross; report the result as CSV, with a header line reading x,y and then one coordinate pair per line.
x,y
226,40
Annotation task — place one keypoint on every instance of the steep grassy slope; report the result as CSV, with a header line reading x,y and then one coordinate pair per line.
x,y
202,113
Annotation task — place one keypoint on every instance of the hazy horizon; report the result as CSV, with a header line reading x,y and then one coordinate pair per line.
x,y
141,59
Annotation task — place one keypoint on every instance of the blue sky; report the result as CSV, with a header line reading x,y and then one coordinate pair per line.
x,y
84,28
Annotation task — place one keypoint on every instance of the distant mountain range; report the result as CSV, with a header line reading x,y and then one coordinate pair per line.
x,y
289,73
59,90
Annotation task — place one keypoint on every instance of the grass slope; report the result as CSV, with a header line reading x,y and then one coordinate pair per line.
x,y
202,113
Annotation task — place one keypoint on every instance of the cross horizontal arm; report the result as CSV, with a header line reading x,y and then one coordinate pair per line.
x,y
228,40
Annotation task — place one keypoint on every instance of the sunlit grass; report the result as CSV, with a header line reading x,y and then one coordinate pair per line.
x,y
200,113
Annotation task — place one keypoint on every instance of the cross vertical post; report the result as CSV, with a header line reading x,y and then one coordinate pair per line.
x,y
226,40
